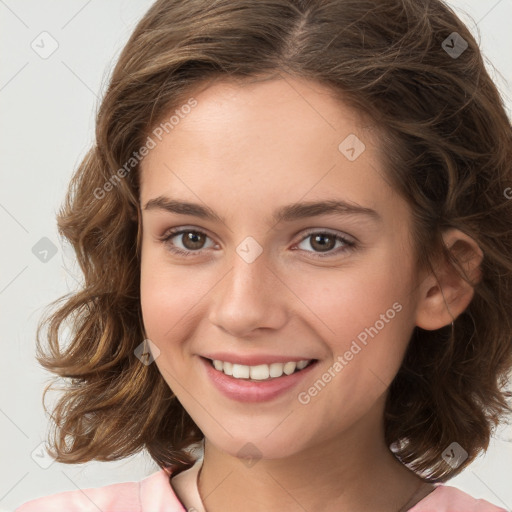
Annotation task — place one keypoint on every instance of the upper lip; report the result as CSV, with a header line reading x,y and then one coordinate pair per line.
x,y
253,360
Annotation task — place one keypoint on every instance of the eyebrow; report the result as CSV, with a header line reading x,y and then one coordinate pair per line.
x,y
286,213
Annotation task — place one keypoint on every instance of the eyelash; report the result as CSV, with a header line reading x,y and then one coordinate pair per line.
x,y
349,244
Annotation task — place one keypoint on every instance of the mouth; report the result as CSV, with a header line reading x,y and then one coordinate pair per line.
x,y
242,387
260,372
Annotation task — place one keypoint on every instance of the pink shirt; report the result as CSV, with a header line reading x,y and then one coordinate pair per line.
x,y
155,494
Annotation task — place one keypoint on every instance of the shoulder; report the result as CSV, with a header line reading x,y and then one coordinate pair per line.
x,y
445,498
152,493
108,498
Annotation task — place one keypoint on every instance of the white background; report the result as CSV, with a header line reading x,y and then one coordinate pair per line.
x,y
47,124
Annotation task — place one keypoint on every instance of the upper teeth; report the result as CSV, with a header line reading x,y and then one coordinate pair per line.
x,y
261,371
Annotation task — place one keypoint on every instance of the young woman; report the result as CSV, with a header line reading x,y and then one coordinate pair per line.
x,y
296,239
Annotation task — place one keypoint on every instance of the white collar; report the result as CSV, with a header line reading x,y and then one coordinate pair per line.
x,y
185,485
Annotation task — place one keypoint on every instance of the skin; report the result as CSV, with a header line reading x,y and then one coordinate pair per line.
x,y
244,151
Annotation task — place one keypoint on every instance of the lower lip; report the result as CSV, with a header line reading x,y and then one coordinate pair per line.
x,y
250,390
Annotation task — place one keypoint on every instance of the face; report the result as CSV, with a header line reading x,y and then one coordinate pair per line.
x,y
331,285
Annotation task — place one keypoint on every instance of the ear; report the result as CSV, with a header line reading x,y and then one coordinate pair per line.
x,y
443,294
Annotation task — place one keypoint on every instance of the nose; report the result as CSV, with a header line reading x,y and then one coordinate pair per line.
x,y
249,297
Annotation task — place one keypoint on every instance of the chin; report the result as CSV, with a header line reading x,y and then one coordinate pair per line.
x,y
251,448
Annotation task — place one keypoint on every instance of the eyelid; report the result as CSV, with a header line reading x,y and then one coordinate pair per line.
x,y
309,231
327,231
350,241
180,230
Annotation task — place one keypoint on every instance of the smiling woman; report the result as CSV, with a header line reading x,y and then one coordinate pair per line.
x,y
308,273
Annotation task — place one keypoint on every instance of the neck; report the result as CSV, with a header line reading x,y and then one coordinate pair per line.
x,y
356,471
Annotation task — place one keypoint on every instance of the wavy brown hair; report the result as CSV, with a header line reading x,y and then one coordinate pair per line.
x,y
448,152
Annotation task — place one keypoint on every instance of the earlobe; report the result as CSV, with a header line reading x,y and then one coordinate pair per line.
x,y
444,294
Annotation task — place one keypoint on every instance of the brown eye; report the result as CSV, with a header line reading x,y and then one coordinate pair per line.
x,y
192,241
325,242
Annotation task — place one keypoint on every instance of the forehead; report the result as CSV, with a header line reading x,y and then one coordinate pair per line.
x,y
260,143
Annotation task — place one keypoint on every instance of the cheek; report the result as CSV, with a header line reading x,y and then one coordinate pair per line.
x,y
343,302
169,296
364,316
